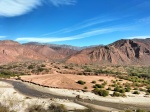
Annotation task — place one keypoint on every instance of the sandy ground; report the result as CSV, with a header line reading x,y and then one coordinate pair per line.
x,y
67,81
18,102
140,99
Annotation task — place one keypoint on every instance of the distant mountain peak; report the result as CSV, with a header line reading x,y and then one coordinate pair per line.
x,y
8,42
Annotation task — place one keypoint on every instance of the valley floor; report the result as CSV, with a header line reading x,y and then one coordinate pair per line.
x,y
18,102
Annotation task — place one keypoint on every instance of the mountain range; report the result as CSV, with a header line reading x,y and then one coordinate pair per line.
x,y
121,52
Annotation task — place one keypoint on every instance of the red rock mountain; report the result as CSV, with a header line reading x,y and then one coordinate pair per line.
x,y
46,51
11,51
121,52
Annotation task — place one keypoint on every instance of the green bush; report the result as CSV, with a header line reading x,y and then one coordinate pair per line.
x,y
98,86
101,92
122,90
87,70
93,82
101,80
136,92
109,88
117,89
81,82
85,87
127,89
36,108
57,108
104,83
117,94
43,65
140,110
40,69
30,66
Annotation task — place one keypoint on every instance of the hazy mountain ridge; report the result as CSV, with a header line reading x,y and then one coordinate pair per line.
x,y
123,52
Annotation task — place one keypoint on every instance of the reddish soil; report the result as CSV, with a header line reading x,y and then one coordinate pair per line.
x,y
67,81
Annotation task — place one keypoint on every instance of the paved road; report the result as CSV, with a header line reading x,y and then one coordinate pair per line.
x,y
24,89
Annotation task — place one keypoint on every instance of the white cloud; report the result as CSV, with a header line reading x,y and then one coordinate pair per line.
x,y
10,8
57,39
63,2
82,25
138,37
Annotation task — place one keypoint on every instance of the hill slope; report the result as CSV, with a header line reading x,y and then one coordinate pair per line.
x,y
121,52
11,51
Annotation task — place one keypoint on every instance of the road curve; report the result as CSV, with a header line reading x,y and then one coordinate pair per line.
x,y
24,89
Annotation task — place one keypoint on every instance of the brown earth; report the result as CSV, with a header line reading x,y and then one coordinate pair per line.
x,y
45,51
122,52
11,51
68,81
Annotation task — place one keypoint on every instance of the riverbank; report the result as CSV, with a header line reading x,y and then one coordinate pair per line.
x,y
11,98
86,98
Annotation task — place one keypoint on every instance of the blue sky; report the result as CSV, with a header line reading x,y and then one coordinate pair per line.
x,y
74,22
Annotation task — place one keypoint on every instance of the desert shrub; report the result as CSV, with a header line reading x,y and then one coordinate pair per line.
x,y
117,89
40,69
87,70
104,83
93,82
98,86
36,108
148,89
30,66
85,87
142,89
81,82
136,92
127,89
101,92
140,110
66,67
101,80
122,90
117,94
109,88
57,108
43,65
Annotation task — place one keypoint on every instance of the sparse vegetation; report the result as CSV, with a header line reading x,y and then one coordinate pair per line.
x,y
81,82
93,82
117,94
101,92
136,92
98,86
101,80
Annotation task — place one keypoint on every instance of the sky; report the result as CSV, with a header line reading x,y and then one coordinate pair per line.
x,y
74,22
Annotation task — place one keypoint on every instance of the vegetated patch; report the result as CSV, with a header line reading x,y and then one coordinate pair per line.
x,y
81,82
101,92
136,92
